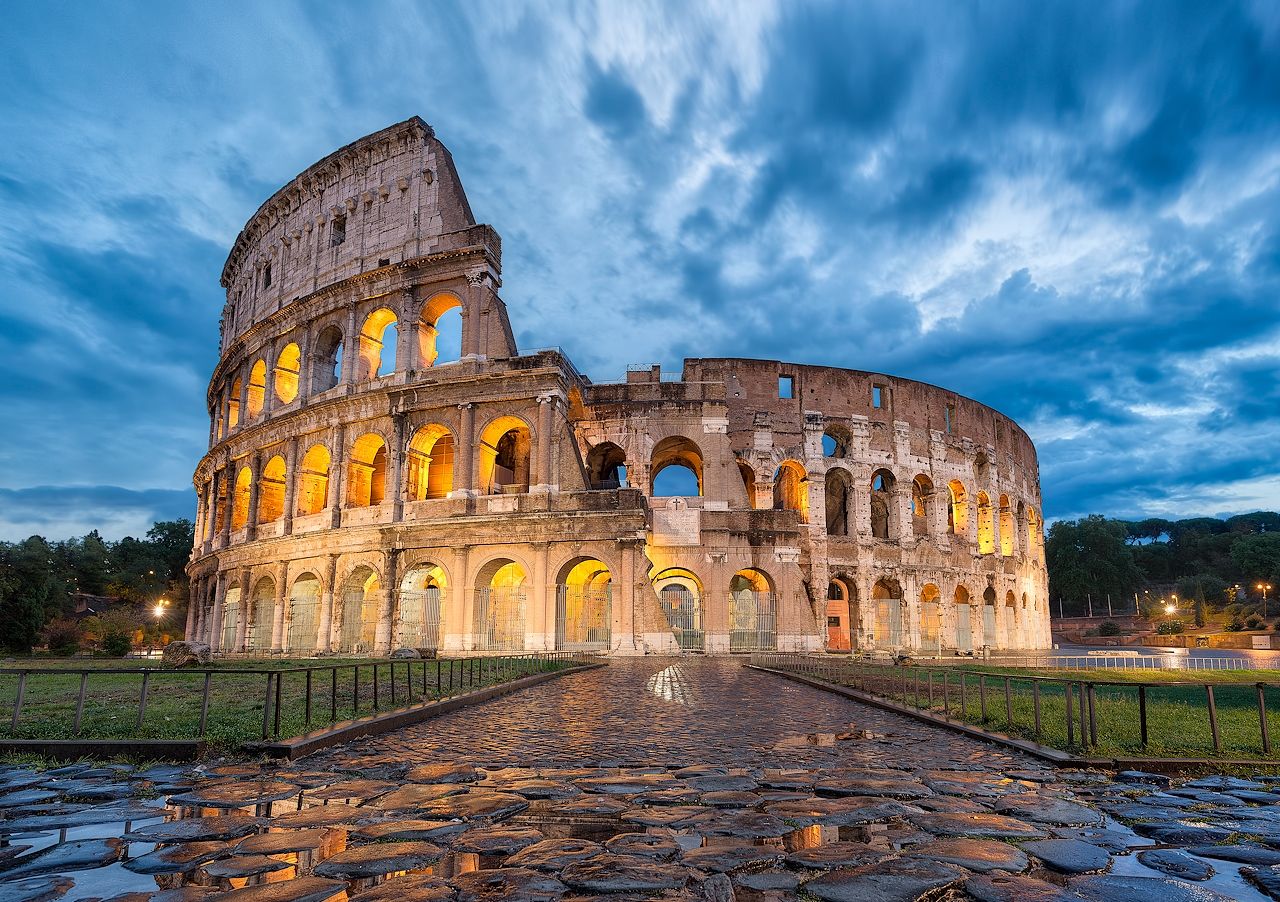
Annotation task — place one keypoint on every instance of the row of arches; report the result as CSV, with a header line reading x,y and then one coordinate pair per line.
x,y
377,348
997,622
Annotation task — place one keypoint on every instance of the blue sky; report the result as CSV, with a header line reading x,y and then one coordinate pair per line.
x,y
1068,211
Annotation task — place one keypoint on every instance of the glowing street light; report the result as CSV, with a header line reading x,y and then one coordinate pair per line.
x,y
161,604
1170,608
1264,588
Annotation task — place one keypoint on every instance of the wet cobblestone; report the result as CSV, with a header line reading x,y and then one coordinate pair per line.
x,y
647,780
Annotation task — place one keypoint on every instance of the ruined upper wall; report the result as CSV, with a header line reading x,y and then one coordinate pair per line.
x,y
393,195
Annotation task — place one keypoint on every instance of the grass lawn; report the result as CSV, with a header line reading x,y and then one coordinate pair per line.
x,y
1178,723
236,696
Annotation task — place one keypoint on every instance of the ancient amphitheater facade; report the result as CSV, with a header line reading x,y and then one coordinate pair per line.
x,y
387,470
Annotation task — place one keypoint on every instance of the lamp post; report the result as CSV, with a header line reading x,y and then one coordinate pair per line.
x,y
1265,588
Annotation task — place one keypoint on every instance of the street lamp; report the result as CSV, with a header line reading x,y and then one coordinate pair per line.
x,y
161,604
1264,588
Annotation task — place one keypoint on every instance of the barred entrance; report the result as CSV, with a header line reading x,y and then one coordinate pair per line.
x,y
684,612
303,619
230,620
421,618
989,624
964,628
583,618
752,621
499,619
258,637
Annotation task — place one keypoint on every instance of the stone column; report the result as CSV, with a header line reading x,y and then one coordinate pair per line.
x,y
623,601
407,344
715,603
464,465
244,400
471,339
193,602
290,483
277,619
350,349
210,514
306,367
269,381
544,479
228,500
399,440
387,597
337,476
539,629
324,633
215,617
456,612
242,622
255,486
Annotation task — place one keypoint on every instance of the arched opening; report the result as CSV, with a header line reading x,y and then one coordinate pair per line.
x,y
964,620
883,513
1035,533
675,469
304,607
429,463
791,489
838,483
261,615
501,601
921,500
842,611
989,617
680,593
835,442
326,360
1012,622
361,594
958,509
240,498
233,405
930,619
378,345
440,331
288,368
313,481
986,525
753,622
504,456
606,466
230,620
422,597
748,481
886,595
271,490
584,606
1006,527
257,388
367,471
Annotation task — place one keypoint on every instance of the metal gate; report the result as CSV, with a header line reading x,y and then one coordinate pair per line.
x,y
499,622
752,621
989,624
684,612
583,618
230,621
358,625
421,619
964,628
258,637
888,623
303,612
929,628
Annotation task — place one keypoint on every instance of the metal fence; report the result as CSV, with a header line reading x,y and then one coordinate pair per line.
x,y
683,610
1126,662
584,618
1181,718
421,619
500,616
752,621
100,703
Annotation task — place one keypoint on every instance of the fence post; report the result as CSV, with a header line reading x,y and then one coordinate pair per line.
x,y
1262,719
266,708
84,678
1142,713
982,696
1035,703
964,702
204,702
1213,719
375,686
1093,718
355,691
1008,704
393,683
308,712
946,695
142,698
930,690
1071,721
333,694
1084,725
279,683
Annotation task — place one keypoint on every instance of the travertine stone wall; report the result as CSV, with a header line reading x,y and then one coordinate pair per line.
x,y
364,490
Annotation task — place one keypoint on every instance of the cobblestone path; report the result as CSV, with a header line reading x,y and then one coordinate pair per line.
x,y
680,780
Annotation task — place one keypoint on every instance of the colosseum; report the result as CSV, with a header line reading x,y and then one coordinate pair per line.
x,y
387,470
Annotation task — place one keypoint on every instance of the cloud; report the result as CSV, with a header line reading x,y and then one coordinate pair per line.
x,y
65,511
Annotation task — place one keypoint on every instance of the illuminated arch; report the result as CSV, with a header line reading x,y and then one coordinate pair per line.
x,y
680,594
501,601
674,451
240,498
423,592
303,614
377,349
930,619
791,489
313,481
271,487
842,613
358,617
504,456
584,605
986,525
753,616
261,615
962,609
233,404
257,388
429,463
440,330
288,368
1007,527
884,514
886,596
958,510
326,363
921,503
367,471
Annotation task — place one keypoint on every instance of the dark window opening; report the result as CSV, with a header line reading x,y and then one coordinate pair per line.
x,y
786,387
266,276
384,261
338,231
951,418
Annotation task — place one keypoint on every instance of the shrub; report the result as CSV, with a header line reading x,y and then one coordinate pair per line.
x,y
1169,628
1109,628
1254,623
113,632
62,635
117,645
1235,626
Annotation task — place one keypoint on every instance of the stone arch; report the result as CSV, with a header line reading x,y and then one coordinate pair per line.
x,y
504,447
606,466
930,619
842,613
986,525
261,615
838,493
921,504
240,497
1012,621
837,441
376,354
501,601
962,609
958,509
989,622
679,591
440,330
421,610
233,404
367,471
753,612
257,394
1007,527
886,596
883,510
791,489
360,599
271,490
429,463
303,613
326,359
286,374
231,604
313,481
674,451
584,605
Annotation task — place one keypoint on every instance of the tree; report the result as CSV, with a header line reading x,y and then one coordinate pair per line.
x,y
30,592
1089,557
1258,557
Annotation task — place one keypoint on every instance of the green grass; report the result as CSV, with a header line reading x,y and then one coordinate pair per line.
x,y
236,697
1178,723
